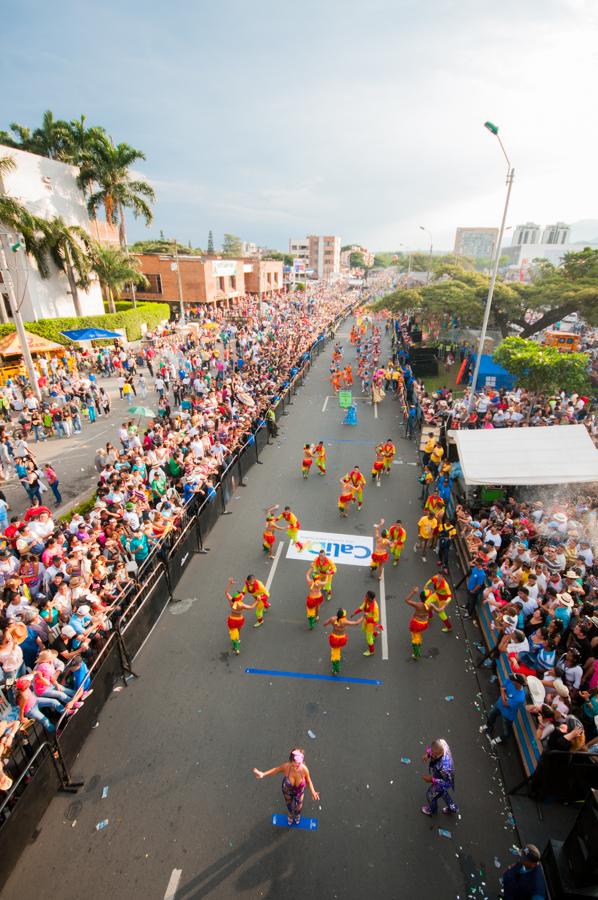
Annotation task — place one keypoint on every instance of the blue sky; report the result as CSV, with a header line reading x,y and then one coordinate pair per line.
x,y
275,119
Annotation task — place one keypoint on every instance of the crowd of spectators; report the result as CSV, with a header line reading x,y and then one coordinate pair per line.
x,y
535,569
214,383
531,563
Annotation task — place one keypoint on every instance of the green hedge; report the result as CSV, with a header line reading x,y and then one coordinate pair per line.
x,y
130,319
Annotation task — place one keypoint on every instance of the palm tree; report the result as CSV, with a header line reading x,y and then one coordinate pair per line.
x,y
70,248
109,167
50,139
20,139
115,269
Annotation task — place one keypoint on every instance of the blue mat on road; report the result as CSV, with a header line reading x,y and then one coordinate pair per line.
x,y
308,824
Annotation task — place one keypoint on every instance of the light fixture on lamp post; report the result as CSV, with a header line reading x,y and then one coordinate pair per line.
x,y
493,129
429,233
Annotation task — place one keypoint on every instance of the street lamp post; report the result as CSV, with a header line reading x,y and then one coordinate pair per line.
x,y
493,129
429,233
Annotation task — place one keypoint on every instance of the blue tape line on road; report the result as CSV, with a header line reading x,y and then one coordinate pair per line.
x,y
278,673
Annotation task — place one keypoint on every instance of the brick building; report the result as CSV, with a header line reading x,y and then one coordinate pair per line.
x,y
205,280
263,275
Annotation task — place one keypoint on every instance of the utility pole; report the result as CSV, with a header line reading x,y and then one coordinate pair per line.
x,y
178,278
16,314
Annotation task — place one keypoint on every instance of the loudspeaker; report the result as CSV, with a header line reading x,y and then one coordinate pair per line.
x,y
423,361
582,860
571,866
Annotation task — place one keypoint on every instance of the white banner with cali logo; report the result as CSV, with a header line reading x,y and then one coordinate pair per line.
x,y
342,549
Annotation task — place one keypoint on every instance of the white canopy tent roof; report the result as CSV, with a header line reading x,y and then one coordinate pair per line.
x,y
561,454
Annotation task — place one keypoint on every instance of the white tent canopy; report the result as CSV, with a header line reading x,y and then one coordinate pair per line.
x,y
560,454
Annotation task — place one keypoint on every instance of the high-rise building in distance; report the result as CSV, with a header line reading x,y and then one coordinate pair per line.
x,y
475,241
559,233
322,253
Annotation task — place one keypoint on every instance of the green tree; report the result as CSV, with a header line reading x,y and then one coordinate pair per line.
x,y
543,369
356,260
457,294
285,258
231,245
210,243
51,139
108,168
115,269
558,291
164,246
69,247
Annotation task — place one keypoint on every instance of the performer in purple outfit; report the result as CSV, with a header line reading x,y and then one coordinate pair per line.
x,y
441,778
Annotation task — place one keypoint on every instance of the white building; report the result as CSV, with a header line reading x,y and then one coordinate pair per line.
x,y
299,248
559,233
47,189
530,233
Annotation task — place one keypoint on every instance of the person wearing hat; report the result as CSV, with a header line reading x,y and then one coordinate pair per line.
x,y
573,582
524,880
69,643
562,607
511,700
80,619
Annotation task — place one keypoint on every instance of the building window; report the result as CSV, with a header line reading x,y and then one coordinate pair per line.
x,y
154,286
221,285
233,282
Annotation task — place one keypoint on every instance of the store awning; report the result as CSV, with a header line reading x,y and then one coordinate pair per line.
x,y
560,454
10,344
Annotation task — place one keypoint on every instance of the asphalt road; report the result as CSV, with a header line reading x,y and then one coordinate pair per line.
x,y
73,458
178,746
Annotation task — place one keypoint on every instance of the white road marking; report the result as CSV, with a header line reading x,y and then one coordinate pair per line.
x,y
383,618
173,884
274,564
325,404
375,410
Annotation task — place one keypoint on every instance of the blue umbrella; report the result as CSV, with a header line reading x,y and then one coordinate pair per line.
x,y
91,334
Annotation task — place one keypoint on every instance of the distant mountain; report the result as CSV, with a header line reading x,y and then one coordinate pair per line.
x,y
585,230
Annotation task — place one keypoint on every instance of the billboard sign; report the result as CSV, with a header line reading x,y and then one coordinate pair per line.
x,y
223,267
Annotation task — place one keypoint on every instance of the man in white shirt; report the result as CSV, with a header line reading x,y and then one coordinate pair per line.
x,y
492,536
